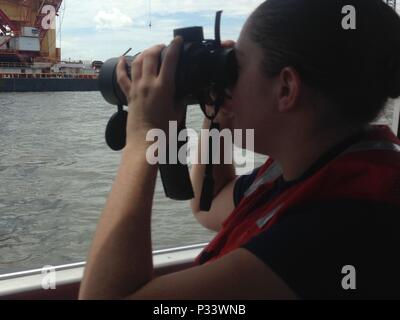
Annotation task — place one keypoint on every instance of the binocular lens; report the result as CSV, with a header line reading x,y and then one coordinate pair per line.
x,y
108,83
199,69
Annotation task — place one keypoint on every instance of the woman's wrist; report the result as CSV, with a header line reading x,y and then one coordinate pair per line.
x,y
137,145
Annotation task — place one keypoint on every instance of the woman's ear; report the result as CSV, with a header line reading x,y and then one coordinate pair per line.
x,y
289,88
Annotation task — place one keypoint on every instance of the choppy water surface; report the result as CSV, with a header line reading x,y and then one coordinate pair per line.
x,y
55,173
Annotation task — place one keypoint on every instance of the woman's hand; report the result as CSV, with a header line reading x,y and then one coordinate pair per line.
x,y
150,93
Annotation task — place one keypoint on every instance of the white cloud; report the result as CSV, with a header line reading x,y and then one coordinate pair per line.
x,y
99,29
113,20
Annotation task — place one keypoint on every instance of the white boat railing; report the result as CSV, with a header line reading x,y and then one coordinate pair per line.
x,y
14,284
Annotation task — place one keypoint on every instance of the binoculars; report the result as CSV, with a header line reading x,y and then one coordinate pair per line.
x,y
205,73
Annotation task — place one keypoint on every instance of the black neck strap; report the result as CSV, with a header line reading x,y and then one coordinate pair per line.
x,y
207,192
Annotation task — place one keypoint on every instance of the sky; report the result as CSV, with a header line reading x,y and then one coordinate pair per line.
x,y
100,29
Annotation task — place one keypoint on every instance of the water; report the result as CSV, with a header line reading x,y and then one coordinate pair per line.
x,y
55,174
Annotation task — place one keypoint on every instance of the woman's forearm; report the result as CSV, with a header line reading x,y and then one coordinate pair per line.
x,y
120,260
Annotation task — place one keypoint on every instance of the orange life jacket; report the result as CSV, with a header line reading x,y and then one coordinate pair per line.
x,y
368,170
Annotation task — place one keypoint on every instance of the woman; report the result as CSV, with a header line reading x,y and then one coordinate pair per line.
x,y
319,219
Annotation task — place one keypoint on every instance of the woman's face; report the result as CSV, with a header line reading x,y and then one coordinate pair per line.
x,y
253,103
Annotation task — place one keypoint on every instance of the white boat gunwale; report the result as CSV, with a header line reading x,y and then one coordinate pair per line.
x,y
28,284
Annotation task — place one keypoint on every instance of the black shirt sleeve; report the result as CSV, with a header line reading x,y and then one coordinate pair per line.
x,y
242,184
309,246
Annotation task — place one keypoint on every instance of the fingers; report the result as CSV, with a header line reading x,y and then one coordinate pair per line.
x,y
146,64
136,68
228,43
169,65
151,61
122,77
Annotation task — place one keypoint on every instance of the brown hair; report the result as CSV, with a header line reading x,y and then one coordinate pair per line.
x,y
356,70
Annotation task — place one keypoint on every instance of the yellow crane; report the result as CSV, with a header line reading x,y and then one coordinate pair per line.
x,y
17,17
